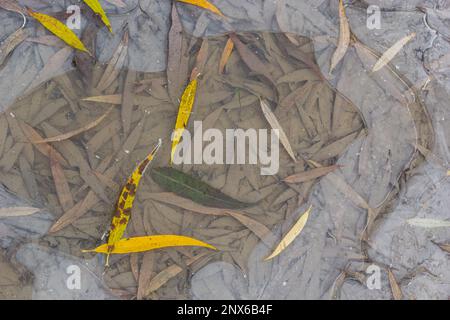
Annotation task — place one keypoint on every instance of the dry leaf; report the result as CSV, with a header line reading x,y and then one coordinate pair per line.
x,y
60,30
226,55
201,60
428,223
392,52
17,211
10,43
291,235
146,243
344,37
310,174
73,133
395,288
204,4
276,126
61,184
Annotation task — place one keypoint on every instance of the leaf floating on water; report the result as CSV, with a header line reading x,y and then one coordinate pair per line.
x,y
97,8
192,188
276,125
310,174
392,52
344,37
395,288
126,199
227,50
73,133
60,30
204,4
428,223
291,235
17,211
184,112
146,243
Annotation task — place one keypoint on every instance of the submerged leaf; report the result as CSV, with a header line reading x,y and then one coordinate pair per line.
x,y
97,8
226,55
192,188
310,174
428,223
204,4
146,243
126,199
291,235
17,211
60,30
344,37
276,125
395,288
184,112
392,52
70,134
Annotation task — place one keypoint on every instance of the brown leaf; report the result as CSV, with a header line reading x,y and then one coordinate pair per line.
x,y
177,62
395,288
200,62
392,52
344,38
310,174
128,101
9,44
73,133
61,184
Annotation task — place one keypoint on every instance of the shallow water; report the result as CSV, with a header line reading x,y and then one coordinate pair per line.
x,y
368,123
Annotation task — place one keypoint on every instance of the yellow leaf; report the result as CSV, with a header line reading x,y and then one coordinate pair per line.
x,y
204,4
146,243
60,30
392,52
97,8
344,38
184,112
291,235
125,203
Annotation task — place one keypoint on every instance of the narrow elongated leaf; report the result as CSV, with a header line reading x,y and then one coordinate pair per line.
x,y
184,112
395,288
10,43
146,243
310,174
189,187
276,125
291,235
428,223
126,199
73,133
59,29
97,8
443,246
17,211
61,184
226,55
204,4
344,37
392,52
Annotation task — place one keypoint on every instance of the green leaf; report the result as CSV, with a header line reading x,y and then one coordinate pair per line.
x,y
184,185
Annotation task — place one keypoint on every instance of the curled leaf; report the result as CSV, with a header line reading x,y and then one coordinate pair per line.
x,y
392,52
291,235
344,37
60,30
146,243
